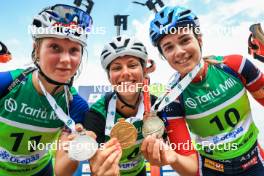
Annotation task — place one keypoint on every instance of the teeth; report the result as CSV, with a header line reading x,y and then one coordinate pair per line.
x,y
183,60
127,82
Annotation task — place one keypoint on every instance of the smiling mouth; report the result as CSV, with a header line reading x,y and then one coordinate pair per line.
x,y
183,61
126,82
63,69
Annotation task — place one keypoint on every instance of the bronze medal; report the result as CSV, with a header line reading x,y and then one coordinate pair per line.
x,y
153,125
125,133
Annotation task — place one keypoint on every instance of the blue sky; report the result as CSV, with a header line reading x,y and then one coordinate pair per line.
x,y
224,24
16,15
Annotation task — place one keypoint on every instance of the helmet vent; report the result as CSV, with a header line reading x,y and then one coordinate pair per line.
x,y
185,12
37,23
138,44
162,14
118,39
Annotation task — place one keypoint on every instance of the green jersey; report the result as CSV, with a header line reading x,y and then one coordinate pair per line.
x,y
28,127
218,113
132,161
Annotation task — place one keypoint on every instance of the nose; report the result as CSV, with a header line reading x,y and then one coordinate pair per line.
x,y
65,57
179,52
125,72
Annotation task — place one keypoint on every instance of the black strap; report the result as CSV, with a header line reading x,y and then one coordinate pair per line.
x,y
51,80
108,96
18,80
125,103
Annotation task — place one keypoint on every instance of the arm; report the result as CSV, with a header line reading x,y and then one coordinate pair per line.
x,y
6,80
175,154
179,135
251,76
106,160
63,164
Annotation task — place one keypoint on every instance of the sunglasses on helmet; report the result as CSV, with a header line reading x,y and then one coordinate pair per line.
x,y
69,15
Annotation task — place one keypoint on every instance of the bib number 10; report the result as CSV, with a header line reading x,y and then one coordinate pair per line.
x,y
228,115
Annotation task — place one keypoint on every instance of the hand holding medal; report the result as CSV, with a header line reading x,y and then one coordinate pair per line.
x,y
82,147
152,124
125,133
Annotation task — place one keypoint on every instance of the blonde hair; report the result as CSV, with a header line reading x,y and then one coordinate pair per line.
x,y
35,50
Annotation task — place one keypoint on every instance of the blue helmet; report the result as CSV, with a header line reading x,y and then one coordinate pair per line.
x,y
171,18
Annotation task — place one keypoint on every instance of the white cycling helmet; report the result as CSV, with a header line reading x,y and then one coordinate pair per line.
x,y
121,46
62,21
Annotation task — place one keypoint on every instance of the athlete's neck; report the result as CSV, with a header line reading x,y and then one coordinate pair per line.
x,y
48,86
132,100
201,74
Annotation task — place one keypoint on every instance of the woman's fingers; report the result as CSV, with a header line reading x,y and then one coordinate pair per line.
x,y
111,142
79,127
152,148
103,154
91,134
144,147
156,152
109,163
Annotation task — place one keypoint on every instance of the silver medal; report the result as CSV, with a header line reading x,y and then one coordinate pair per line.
x,y
82,148
153,125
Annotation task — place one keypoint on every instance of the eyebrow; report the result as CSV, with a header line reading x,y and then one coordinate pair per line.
x,y
179,38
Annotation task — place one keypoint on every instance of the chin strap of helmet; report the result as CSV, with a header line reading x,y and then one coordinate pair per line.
x,y
53,81
256,42
126,104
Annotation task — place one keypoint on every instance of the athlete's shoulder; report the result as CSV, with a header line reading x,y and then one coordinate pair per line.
x,y
7,78
234,61
100,106
244,67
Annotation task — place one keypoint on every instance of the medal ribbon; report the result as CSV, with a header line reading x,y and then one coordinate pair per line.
x,y
110,119
57,109
175,90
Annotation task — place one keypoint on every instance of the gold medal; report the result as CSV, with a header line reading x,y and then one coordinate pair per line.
x,y
153,125
125,133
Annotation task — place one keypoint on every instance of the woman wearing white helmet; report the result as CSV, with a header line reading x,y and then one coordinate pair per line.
x,y
124,60
34,101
